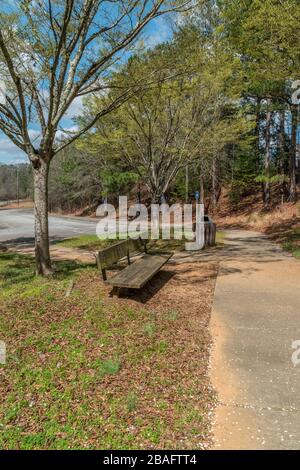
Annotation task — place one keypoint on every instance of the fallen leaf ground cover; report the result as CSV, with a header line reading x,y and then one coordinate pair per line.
x,y
87,371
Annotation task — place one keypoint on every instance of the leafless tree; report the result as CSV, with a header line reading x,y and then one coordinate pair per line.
x,y
53,52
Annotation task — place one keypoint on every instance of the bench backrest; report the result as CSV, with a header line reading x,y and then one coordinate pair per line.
x,y
112,254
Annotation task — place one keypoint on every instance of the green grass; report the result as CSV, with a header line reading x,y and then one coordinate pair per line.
x,y
291,242
149,329
132,400
88,242
92,242
90,372
220,238
110,367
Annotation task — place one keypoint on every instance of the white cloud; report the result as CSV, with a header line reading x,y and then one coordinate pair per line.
x,y
35,135
10,153
66,132
160,32
75,108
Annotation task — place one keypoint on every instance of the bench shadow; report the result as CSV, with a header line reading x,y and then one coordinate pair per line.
x,y
152,287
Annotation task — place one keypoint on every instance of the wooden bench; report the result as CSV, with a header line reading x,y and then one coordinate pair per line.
x,y
135,275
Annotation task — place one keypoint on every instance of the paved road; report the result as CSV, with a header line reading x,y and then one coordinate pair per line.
x,y
17,224
255,319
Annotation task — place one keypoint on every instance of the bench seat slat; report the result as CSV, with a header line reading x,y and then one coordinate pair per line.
x,y
137,274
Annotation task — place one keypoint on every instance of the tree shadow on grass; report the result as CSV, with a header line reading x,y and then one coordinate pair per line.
x,y
15,269
20,269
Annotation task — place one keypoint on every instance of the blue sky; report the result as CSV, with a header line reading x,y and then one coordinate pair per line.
x,y
159,30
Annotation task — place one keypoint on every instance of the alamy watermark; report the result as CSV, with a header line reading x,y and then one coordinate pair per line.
x,y
296,92
2,352
2,92
160,221
296,354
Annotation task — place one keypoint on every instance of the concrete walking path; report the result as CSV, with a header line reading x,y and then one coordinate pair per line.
x,y
255,319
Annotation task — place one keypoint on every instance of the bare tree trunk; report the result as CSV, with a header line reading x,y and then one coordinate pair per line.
x,y
232,167
214,183
257,133
266,185
293,150
281,142
282,161
202,195
42,253
155,196
186,184
205,202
